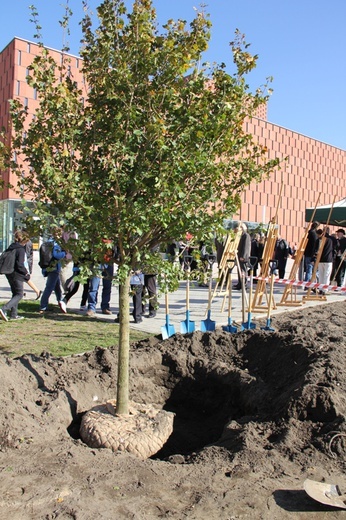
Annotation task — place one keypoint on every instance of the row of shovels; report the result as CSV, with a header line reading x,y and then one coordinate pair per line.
x,y
209,325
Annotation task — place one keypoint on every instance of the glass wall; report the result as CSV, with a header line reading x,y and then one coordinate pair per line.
x,y
10,219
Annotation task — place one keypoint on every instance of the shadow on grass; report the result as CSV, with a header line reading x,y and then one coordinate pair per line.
x,y
30,309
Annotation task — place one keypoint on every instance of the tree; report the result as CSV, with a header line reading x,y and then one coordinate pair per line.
x,y
157,147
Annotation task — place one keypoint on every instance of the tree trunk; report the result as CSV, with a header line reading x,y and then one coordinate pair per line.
x,y
122,405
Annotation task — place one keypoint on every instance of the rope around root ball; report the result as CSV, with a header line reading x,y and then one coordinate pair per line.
x,y
143,432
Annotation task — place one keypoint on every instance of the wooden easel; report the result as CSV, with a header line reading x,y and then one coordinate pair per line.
x,y
289,290
227,292
322,297
229,253
268,255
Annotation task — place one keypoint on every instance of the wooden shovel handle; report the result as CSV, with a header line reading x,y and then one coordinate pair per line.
x,y
166,301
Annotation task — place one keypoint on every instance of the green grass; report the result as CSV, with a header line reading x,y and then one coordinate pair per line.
x,y
57,333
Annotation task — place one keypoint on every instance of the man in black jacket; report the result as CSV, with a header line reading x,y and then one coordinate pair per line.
x,y
310,250
281,254
18,277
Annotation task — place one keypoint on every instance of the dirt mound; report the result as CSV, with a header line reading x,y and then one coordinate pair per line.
x,y
255,414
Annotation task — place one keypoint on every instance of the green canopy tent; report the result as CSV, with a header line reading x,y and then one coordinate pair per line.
x,y
337,217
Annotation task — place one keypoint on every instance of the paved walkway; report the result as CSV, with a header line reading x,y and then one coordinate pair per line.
x,y
177,304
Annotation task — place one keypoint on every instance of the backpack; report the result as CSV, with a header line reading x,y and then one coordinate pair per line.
x,y
7,261
46,254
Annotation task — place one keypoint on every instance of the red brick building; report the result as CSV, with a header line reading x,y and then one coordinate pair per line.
x,y
313,167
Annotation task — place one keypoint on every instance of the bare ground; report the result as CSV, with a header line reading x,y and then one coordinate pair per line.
x,y
257,412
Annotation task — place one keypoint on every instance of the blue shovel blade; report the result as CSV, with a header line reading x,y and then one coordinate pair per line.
x,y
268,327
248,324
167,330
229,327
208,325
187,325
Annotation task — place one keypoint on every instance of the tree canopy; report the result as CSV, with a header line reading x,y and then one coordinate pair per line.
x,y
155,149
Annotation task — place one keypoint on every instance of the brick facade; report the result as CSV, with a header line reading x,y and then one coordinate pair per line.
x,y
312,167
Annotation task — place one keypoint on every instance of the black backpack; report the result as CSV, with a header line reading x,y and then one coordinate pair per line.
x,y
7,261
46,254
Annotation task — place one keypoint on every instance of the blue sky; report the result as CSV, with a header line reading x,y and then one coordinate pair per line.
x,y
301,43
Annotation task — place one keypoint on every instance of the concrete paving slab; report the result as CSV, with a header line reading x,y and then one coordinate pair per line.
x,y
177,304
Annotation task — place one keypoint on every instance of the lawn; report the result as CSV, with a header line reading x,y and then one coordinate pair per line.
x,y
57,333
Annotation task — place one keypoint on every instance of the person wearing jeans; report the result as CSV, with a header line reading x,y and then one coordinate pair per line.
x,y
310,250
52,285
94,285
52,274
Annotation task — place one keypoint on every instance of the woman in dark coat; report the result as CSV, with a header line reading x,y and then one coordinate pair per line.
x,y
17,278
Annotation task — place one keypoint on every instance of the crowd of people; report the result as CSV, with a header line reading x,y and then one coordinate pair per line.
x,y
326,252
58,280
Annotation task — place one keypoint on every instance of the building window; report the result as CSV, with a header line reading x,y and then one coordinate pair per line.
x,y
28,47
26,102
77,63
27,73
35,93
17,88
19,57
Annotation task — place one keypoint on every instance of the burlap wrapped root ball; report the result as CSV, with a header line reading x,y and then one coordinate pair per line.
x,y
143,432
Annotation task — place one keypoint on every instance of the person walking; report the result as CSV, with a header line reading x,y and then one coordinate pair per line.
x,y
104,271
17,278
52,273
71,287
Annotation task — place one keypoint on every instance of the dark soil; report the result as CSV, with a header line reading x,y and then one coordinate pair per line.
x,y
257,413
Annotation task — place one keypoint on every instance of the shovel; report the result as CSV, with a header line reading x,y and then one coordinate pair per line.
x,y
168,329
187,325
249,324
229,327
273,265
208,325
328,494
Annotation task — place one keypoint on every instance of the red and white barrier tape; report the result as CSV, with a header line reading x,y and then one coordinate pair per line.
x,y
309,285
